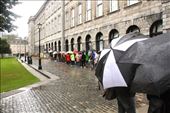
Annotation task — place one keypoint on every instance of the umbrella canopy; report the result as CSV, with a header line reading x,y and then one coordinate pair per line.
x,y
50,51
153,56
69,52
55,52
75,51
62,52
130,36
108,71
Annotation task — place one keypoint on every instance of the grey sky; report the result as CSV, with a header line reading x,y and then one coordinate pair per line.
x,y
25,10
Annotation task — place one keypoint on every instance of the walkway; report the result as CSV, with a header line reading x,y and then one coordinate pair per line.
x,y
75,92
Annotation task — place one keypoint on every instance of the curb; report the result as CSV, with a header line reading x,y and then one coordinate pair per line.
x,y
28,87
39,71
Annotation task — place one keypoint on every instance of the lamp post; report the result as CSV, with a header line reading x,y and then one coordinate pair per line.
x,y
39,63
25,48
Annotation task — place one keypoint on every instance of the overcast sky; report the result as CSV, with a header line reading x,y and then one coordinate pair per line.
x,y
25,10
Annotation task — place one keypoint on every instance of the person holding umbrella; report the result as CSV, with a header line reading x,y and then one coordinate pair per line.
x,y
159,104
152,76
166,105
125,100
117,76
155,104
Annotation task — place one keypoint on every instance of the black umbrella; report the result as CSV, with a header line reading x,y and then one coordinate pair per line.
x,y
153,56
109,72
130,36
100,67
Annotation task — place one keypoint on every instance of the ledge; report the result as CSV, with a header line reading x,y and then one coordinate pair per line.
x,y
109,13
99,17
133,5
88,21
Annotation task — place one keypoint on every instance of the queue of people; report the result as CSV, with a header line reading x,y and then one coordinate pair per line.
x,y
83,59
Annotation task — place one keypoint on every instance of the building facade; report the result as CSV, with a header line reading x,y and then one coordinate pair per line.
x,y
89,24
18,46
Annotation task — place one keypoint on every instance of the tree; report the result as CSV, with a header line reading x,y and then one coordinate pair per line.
x,y
7,16
9,37
4,47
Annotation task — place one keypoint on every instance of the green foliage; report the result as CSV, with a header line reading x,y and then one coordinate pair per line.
x,y
4,47
14,75
9,37
7,16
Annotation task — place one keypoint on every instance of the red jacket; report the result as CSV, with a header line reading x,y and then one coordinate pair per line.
x,y
68,58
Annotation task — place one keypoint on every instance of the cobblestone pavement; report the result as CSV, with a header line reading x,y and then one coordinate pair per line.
x,y
75,92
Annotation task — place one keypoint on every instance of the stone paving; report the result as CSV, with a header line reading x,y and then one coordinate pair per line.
x,y
75,92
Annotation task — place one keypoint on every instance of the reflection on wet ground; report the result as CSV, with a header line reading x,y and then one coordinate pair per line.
x,y
75,92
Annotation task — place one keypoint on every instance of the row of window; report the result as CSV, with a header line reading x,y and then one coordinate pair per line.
x,y
54,25
113,6
155,29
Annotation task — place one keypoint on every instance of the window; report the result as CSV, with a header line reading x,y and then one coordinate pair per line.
x,y
79,44
72,44
88,42
156,28
52,46
59,22
72,17
59,46
131,2
55,46
99,42
67,46
88,10
80,14
99,8
113,34
113,5
133,28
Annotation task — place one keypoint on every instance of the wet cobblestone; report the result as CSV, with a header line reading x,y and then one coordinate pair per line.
x,y
75,92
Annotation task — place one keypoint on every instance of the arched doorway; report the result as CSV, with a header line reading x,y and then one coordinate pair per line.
x,y
133,28
72,44
52,46
79,44
55,45
46,47
99,42
113,34
156,28
49,47
59,45
67,47
88,42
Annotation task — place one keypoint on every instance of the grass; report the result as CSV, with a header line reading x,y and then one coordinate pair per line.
x,y
13,75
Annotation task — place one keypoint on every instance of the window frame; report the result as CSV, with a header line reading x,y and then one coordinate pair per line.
x,y
111,8
88,10
80,14
72,17
131,2
99,8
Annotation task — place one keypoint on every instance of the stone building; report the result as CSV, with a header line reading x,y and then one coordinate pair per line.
x,y
18,46
92,24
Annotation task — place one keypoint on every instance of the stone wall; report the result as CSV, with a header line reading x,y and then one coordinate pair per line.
x,y
142,14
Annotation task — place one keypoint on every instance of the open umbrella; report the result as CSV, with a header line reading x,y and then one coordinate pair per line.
x,y
108,71
55,52
75,51
153,56
50,51
69,52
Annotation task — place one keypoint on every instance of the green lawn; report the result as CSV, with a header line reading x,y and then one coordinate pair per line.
x,y
14,75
